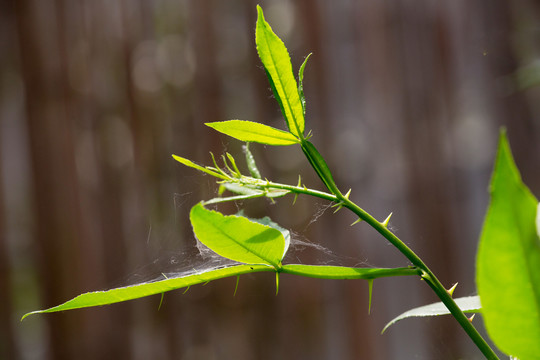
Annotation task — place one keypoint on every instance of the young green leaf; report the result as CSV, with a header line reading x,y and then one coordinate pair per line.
x,y
191,164
248,192
250,161
318,163
238,238
242,189
468,304
301,84
508,262
99,298
254,132
277,64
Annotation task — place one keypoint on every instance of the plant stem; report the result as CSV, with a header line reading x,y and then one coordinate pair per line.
x,y
318,163
427,275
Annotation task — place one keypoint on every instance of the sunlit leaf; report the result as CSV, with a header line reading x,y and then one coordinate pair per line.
x,y
301,84
343,272
508,262
238,238
469,304
250,161
99,298
277,64
245,189
254,132
191,164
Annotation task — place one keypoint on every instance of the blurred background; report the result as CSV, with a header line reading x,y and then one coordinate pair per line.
x,y
405,100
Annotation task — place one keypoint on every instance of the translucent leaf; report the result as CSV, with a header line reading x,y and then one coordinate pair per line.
x,y
191,164
286,233
245,189
466,304
254,132
99,298
238,238
250,160
241,189
342,272
277,64
301,84
508,262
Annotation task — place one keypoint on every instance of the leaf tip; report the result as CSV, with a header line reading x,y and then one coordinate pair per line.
x,y
27,315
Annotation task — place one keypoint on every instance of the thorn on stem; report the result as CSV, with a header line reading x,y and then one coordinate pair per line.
x,y
370,286
161,301
386,221
356,222
471,318
451,290
236,287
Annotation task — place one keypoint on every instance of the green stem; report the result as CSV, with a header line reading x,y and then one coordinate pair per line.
x,y
427,275
322,170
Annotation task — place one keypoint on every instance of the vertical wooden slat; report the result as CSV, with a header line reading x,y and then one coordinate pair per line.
x,y
55,187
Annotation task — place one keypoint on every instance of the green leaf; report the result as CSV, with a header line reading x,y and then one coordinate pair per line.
x,y
242,189
301,84
468,304
238,238
277,64
219,200
538,220
508,262
343,272
99,298
255,191
254,132
250,161
318,163
191,164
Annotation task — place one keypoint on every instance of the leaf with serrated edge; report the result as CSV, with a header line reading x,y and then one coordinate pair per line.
x,y
277,63
508,262
238,238
468,304
250,131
